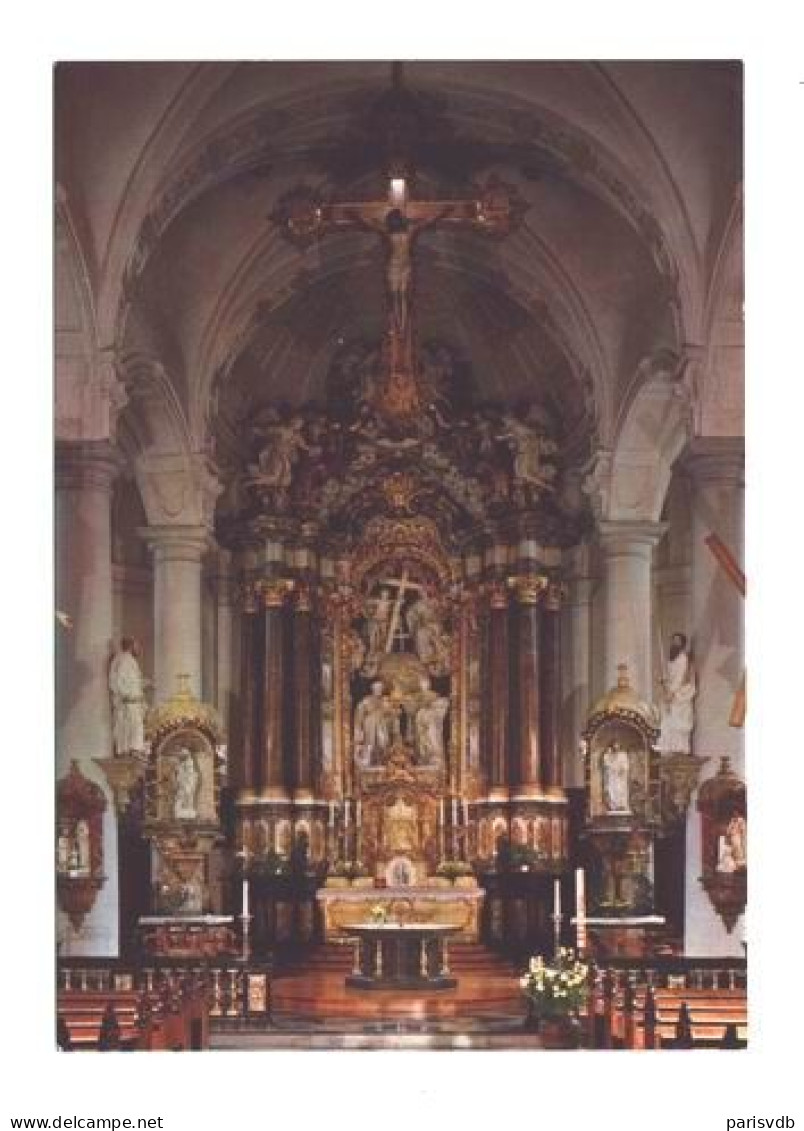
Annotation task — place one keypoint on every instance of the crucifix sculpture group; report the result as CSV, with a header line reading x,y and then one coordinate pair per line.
x,y
399,220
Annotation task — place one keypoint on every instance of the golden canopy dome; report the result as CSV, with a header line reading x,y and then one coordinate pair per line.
x,y
621,701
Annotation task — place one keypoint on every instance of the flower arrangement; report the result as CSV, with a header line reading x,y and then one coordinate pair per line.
x,y
451,869
379,914
557,990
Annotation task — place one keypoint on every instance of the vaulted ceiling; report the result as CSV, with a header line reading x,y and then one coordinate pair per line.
x,y
171,172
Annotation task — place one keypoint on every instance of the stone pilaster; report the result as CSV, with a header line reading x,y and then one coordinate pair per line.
x,y
85,474
716,468
627,550
498,692
177,552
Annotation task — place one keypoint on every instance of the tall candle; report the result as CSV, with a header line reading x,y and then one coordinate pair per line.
x,y
580,894
557,898
346,813
359,808
245,899
332,814
454,812
441,812
465,813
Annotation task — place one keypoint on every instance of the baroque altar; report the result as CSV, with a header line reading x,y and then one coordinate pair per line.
x,y
400,549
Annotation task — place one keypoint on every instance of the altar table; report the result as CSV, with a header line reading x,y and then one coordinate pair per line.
x,y
458,905
401,956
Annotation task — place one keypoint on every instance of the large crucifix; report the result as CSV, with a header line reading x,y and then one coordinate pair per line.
x,y
402,585
399,220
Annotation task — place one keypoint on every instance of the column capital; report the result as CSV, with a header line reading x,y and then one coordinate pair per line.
x,y
716,460
529,589
176,543
87,463
630,536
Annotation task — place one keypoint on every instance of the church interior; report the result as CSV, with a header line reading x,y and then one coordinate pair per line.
x,y
399,452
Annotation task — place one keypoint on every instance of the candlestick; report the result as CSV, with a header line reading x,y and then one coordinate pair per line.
x,y
557,897
359,809
346,813
332,814
580,910
454,812
245,899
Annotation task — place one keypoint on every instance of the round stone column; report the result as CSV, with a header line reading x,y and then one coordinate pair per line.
x,y
627,548
85,474
716,469
177,552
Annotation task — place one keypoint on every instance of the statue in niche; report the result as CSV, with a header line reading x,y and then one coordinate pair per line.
x,y
127,687
376,726
615,771
430,717
377,621
429,640
186,782
82,846
678,692
277,458
529,446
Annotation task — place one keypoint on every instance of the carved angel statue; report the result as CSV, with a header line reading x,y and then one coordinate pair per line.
x,y
275,463
529,446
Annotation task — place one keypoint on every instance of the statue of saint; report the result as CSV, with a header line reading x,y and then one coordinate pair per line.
x,y
185,786
377,621
736,838
127,686
82,846
614,766
678,692
376,726
429,725
274,467
529,446
424,626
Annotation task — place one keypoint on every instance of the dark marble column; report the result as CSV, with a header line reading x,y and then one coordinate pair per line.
x,y
273,778
550,687
248,698
529,685
499,689
302,693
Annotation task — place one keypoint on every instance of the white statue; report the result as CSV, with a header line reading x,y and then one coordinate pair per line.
x,y
127,686
725,856
274,467
185,786
614,765
63,851
529,447
429,640
736,838
378,619
376,726
678,692
82,846
430,716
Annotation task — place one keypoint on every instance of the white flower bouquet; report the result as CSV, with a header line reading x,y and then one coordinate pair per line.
x,y
557,989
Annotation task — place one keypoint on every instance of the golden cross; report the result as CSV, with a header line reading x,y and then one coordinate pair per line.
x,y
402,584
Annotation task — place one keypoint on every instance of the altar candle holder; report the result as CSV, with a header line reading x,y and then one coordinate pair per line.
x,y
558,919
246,951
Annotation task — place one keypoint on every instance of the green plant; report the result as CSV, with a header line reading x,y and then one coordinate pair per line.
x,y
557,989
